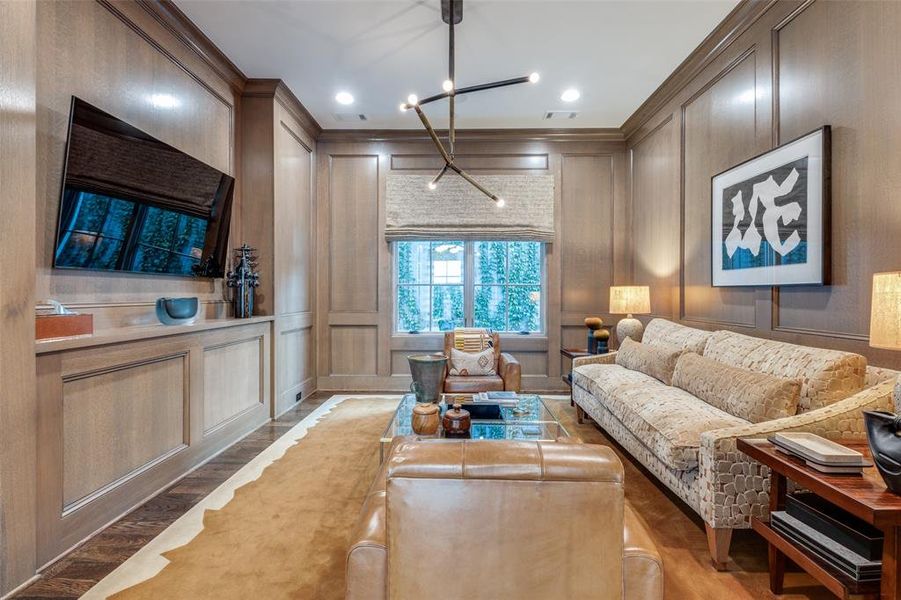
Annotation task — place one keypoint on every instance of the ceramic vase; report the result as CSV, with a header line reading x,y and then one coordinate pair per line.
x,y
885,445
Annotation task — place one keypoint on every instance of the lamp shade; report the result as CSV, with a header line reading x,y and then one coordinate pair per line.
x,y
885,312
630,300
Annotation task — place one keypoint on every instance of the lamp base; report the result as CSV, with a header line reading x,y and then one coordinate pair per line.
x,y
629,327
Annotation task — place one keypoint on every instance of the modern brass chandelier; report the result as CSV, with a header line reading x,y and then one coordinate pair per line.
x,y
452,13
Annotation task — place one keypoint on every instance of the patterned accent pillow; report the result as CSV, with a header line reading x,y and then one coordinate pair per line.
x,y
470,363
657,361
749,395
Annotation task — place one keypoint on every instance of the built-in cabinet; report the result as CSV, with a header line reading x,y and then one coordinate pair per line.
x,y
117,422
278,146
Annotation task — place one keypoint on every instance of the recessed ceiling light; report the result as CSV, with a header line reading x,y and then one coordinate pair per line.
x,y
570,95
344,98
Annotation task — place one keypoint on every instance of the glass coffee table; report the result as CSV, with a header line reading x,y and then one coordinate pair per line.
x,y
529,419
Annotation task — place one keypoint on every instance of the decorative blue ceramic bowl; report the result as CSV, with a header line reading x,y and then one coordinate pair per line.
x,y
176,311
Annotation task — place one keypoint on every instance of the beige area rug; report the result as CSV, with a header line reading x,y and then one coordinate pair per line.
x,y
285,534
279,528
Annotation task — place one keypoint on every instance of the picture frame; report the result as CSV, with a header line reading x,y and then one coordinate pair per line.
x,y
770,216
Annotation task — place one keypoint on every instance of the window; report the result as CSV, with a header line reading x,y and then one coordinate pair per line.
x,y
446,284
102,232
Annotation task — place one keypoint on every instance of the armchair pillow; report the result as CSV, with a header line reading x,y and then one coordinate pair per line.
x,y
657,361
473,363
749,395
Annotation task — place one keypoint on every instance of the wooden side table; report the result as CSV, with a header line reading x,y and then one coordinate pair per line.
x,y
865,496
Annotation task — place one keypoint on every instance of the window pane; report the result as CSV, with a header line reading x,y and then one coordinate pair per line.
x,y
490,262
413,262
91,211
158,229
447,307
524,308
412,308
525,262
75,250
150,260
118,219
190,236
488,307
106,253
447,263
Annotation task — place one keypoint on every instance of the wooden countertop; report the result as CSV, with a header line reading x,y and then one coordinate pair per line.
x,y
138,332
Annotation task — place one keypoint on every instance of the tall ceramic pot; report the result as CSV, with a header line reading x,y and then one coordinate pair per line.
x,y
428,372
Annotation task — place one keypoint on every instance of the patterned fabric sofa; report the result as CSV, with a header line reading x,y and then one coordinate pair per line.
x,y
690,445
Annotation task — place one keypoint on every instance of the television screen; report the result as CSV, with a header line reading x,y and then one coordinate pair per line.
x,y
132,203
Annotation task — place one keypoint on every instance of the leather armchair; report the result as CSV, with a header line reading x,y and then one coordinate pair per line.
x,y
478,519
509,372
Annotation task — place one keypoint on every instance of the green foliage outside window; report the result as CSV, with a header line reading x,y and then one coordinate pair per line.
x,y
505,287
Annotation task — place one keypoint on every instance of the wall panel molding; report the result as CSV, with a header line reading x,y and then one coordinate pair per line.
x,y
358,348
120,422
798,49
348,136
736,23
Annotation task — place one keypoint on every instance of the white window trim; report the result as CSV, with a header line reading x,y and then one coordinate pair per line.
x,y
469,286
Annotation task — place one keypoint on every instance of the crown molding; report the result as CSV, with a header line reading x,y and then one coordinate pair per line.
x,y
277,89
745,14
167,14
471,135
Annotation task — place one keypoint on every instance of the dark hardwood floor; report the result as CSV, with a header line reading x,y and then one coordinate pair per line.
x,y
73,575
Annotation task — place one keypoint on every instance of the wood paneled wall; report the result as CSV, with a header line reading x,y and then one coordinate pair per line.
x,y
771,72
18,38
118,423
116,55
357,346
279,149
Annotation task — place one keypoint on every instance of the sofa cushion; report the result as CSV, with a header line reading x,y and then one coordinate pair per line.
x,y
668,421
599,378
663,332
657,361
827,375
747,394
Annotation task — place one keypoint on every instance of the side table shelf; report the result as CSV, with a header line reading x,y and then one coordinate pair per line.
x,y
837,582
865,496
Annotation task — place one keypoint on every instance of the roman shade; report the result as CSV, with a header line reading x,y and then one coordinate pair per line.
x,y
111,158
458,211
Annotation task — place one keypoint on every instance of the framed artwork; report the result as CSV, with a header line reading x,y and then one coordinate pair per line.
x,y
770,217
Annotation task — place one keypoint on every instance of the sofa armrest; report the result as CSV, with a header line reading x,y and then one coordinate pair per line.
x,y
367,559
733,488
595,359
510,371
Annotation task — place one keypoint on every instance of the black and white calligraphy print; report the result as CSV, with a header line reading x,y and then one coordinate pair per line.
x,y
765,219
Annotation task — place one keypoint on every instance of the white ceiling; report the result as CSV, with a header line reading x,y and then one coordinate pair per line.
x,y
615,52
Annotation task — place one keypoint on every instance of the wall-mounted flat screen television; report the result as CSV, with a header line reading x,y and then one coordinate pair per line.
x,y
132,203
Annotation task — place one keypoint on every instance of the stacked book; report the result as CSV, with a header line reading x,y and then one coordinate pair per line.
x,y
502,398
836,537
821,454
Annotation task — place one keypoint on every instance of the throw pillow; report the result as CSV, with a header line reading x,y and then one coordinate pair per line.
x,y
473,363
658,361
749,395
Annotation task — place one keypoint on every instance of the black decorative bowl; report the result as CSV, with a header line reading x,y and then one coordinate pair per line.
x,y
176,311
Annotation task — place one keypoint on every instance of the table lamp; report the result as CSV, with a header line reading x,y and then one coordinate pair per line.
x,y
629,300
885,332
